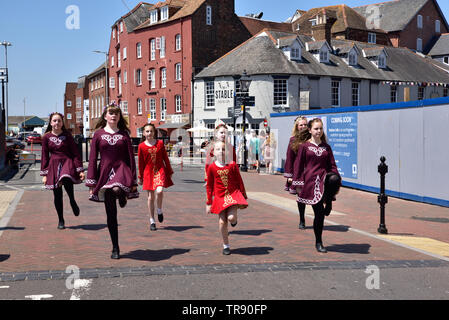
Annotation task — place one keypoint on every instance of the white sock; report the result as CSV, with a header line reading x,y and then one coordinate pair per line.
x,y
152,220
225,246
159,211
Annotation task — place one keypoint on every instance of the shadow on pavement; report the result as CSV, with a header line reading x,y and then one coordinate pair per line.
x,y
4,257
153,255
360,248
12,228
182,228
337,228
250,232
193,181
89,227
252,251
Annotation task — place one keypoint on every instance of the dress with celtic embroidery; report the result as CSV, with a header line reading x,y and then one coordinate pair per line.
x,y
117,167
60,159
230,156
311,166
225,187
154,166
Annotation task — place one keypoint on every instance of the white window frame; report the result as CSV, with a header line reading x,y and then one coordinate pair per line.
x,y
178,42
335,90
124,107
119,78
163,77
112,83
324,56
152,109
437,26
69,116
112,61
280,92
372,37
162,50
139,50
125,53
153,16
421,93
352,58
382,61
209,93
420,21
121,26
178,103
164,13
151,75
138,77
69,103
209,15
393,94
119,64
153,49
355,93
139,106
125,76
163,108
295,54
113,33
178,71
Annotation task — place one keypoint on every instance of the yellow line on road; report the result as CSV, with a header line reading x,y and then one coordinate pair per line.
x,y
426,244
6,197
283,202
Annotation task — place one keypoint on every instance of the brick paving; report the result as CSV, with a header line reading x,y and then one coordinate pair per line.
x,y
266,237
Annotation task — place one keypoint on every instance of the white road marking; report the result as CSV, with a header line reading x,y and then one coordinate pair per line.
x,y
39,296
4,287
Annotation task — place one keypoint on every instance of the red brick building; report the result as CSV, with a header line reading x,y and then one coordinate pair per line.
x,y
70,106
151,65
81,97
96,83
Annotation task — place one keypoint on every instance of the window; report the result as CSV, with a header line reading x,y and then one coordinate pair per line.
x,y
69,116
210,94
437,26
139,106
112,61
163,108
124,107
113,33
178,105
371,37
121,26
352,58
381,62
139,50
162,51
419,21
153,16
296,54
335,93
445,92
125,77
164,13
139,132
138,77
178,42
324,57
163,77
153,49
69,103
152,109
112,83
119,84
355,94
152,78
446,60
209,15
393,94
178,73
118,58
419,44
125,53
280,92
421,93
314,21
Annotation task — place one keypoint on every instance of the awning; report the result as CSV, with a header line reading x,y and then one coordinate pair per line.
x,y
173,125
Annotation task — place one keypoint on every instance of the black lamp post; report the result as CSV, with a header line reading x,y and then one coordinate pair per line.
x,y
244,88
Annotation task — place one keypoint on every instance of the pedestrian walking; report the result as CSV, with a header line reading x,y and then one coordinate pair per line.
x,y
268,152
115,177
61,165
300,124
315,175
155,171
220,134
225,192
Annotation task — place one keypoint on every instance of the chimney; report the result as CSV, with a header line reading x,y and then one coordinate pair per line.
x,y
325,19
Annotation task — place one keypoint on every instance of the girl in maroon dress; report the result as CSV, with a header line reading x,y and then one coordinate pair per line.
x,y
315,175
155,171
61,164
300,124
225,192
221,134
115,177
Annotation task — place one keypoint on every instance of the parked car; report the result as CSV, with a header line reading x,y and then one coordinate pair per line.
x,y
23,135
14,143
34,138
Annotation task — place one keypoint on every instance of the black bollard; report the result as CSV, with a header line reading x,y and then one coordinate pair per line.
x,y
382,198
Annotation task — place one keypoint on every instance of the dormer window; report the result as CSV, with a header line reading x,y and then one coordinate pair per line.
x,y
382,61
352,58
324,56
371,37
314,21
153,16
164,13
296,54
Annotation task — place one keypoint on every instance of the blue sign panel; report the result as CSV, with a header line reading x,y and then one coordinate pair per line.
x,y
342,137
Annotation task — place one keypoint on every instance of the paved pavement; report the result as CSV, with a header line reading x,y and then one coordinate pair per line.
x,y
266,238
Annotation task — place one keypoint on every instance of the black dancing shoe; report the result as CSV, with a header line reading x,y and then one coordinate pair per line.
x,y
61,225
234,224
122,201
302,225
153,227
76,209
319,247
160,217
226,251
115,254
328,208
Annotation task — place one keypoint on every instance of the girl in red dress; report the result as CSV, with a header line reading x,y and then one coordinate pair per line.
x,y
315,176
225,192
61,164
155,171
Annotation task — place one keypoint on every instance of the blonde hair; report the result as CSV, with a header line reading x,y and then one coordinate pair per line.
x,y
295,130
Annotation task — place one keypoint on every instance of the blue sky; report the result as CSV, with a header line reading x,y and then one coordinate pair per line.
x,y
45,54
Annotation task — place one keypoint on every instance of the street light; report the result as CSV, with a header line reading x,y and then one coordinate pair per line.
x,y
106,69
244,88
6,44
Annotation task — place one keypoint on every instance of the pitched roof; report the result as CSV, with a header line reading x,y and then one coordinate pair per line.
x,y
260,56
254,26
135,16
394,15
441,46
97,71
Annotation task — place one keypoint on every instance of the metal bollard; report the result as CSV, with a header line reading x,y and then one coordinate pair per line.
x,y
382,198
